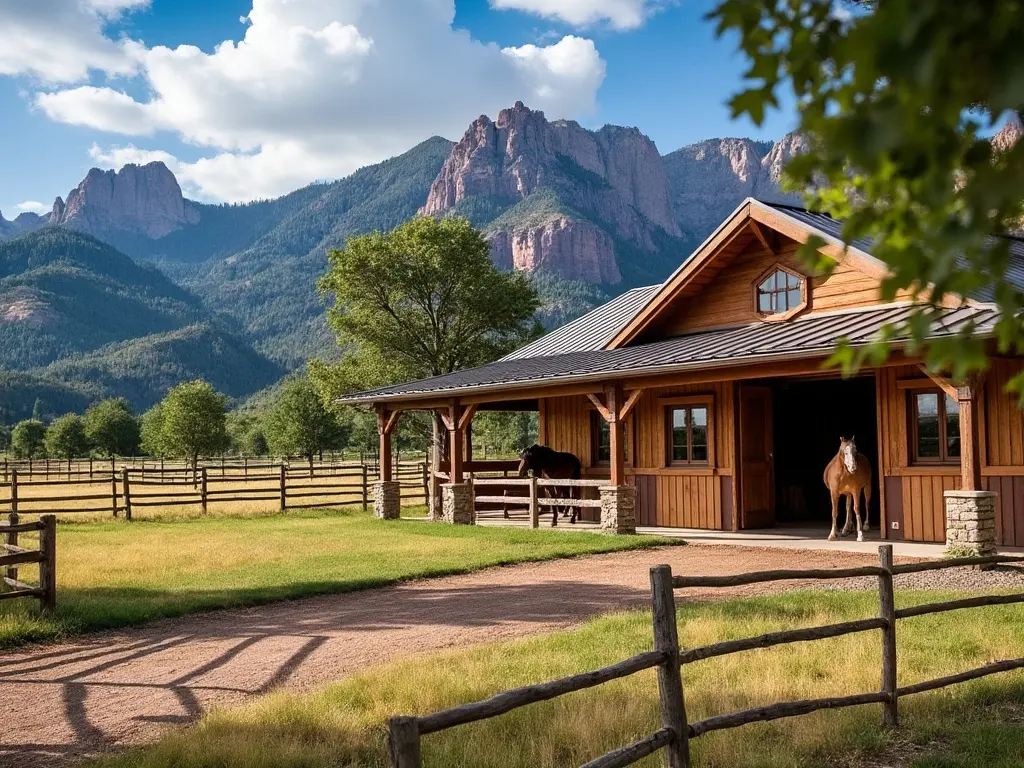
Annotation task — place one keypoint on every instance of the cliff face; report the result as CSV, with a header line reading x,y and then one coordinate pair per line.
x,y
596,186
143,200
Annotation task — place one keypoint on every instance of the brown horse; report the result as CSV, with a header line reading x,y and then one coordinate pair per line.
x,y
849,474
553,465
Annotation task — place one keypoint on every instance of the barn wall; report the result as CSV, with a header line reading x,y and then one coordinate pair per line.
x,y
920,504
729,298
666,496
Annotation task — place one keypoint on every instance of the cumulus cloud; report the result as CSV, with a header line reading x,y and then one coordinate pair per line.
x,y
317,88
620,14
60,41
31,206
117,157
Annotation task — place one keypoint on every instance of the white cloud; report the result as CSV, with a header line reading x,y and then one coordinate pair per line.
x,y
620,14
60,41
318,88
117,157
31,206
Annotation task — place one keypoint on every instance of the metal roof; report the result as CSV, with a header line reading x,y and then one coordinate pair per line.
x,y
804,337
592,330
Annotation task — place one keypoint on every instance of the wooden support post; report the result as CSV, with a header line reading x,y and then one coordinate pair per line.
x,y
970,438
113,496
12,536
404,742
284,487
670,679
366,494
887,605
456,446
48,564
385,425
202,487
425,467
616,434
126,493
534,503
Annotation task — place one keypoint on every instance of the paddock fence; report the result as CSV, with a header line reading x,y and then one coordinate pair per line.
x,y
151,484
531,497
45,556
405,732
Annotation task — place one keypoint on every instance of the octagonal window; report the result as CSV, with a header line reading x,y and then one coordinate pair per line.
x,y
779,292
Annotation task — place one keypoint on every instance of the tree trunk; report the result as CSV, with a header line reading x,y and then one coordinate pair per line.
x,y
438,438
311,466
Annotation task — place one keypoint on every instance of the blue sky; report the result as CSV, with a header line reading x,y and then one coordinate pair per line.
x,y
320,87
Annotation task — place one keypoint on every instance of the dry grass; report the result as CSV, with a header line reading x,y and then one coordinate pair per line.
x,y
972,725
116,573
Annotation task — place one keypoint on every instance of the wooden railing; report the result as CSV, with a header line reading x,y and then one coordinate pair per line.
x,y
405,733
535,494
129,488
46,556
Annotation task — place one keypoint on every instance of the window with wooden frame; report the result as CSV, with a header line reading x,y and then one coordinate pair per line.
x,y
688,432
934,428
780,293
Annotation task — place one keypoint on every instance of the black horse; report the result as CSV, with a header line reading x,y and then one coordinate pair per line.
x,y
553,465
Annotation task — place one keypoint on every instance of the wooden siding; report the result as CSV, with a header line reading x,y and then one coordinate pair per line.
x,y
729,298
1009,508
1004,419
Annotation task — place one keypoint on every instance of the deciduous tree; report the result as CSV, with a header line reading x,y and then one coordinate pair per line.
x,y
112,428
193,416
898,99
65,437
27,438
298,424
420,301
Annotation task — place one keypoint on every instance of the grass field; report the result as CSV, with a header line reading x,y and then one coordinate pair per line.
x,y
974,725
116,573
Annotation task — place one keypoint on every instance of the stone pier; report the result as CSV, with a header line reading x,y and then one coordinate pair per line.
x,y
618,509
387,499
457,504
971,522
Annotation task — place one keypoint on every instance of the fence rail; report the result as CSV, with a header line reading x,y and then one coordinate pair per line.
x,y
405,733
539,492
131,487
45,556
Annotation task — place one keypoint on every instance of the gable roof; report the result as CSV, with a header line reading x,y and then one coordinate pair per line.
x,y
590,331
810,336
747,221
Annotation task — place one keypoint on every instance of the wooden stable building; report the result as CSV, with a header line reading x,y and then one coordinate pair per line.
x,y
707,395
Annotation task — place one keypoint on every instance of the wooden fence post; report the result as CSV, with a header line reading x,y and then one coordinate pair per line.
x,y
404,742
48,565
126,494
202,489
113,495
12,536
670,679
284,487
887,604
365,491
426,482
534,505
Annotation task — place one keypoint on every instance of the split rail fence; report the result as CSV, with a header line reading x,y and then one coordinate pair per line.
x,y
405,733
127,488
45,556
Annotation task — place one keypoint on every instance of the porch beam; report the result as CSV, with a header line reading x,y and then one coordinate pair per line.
x,y
616,434
631,401
456,442
968,399
941,382
600,406
386,421
760,235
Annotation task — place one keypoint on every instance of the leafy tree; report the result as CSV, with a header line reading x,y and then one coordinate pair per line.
x,y
246,434
505,433
37,410
255,443
27,438
5,437
151,428
112,428
299,425
66,437
897,98
422,300
193,416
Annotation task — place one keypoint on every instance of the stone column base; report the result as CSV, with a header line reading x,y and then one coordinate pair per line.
x,y
457,504
618,509
387,499
970,523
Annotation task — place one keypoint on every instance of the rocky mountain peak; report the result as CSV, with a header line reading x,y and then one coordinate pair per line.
x,y
138,199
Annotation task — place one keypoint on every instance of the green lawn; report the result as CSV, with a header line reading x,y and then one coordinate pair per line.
x,y
112,574
974,725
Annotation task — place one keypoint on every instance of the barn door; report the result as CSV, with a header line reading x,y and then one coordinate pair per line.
x,y
757,474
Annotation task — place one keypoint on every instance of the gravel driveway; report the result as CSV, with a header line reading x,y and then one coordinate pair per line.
x,y
125,687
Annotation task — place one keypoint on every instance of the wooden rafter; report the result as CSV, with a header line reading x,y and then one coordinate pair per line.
x,y
601,408
760,235
467,416
941,382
